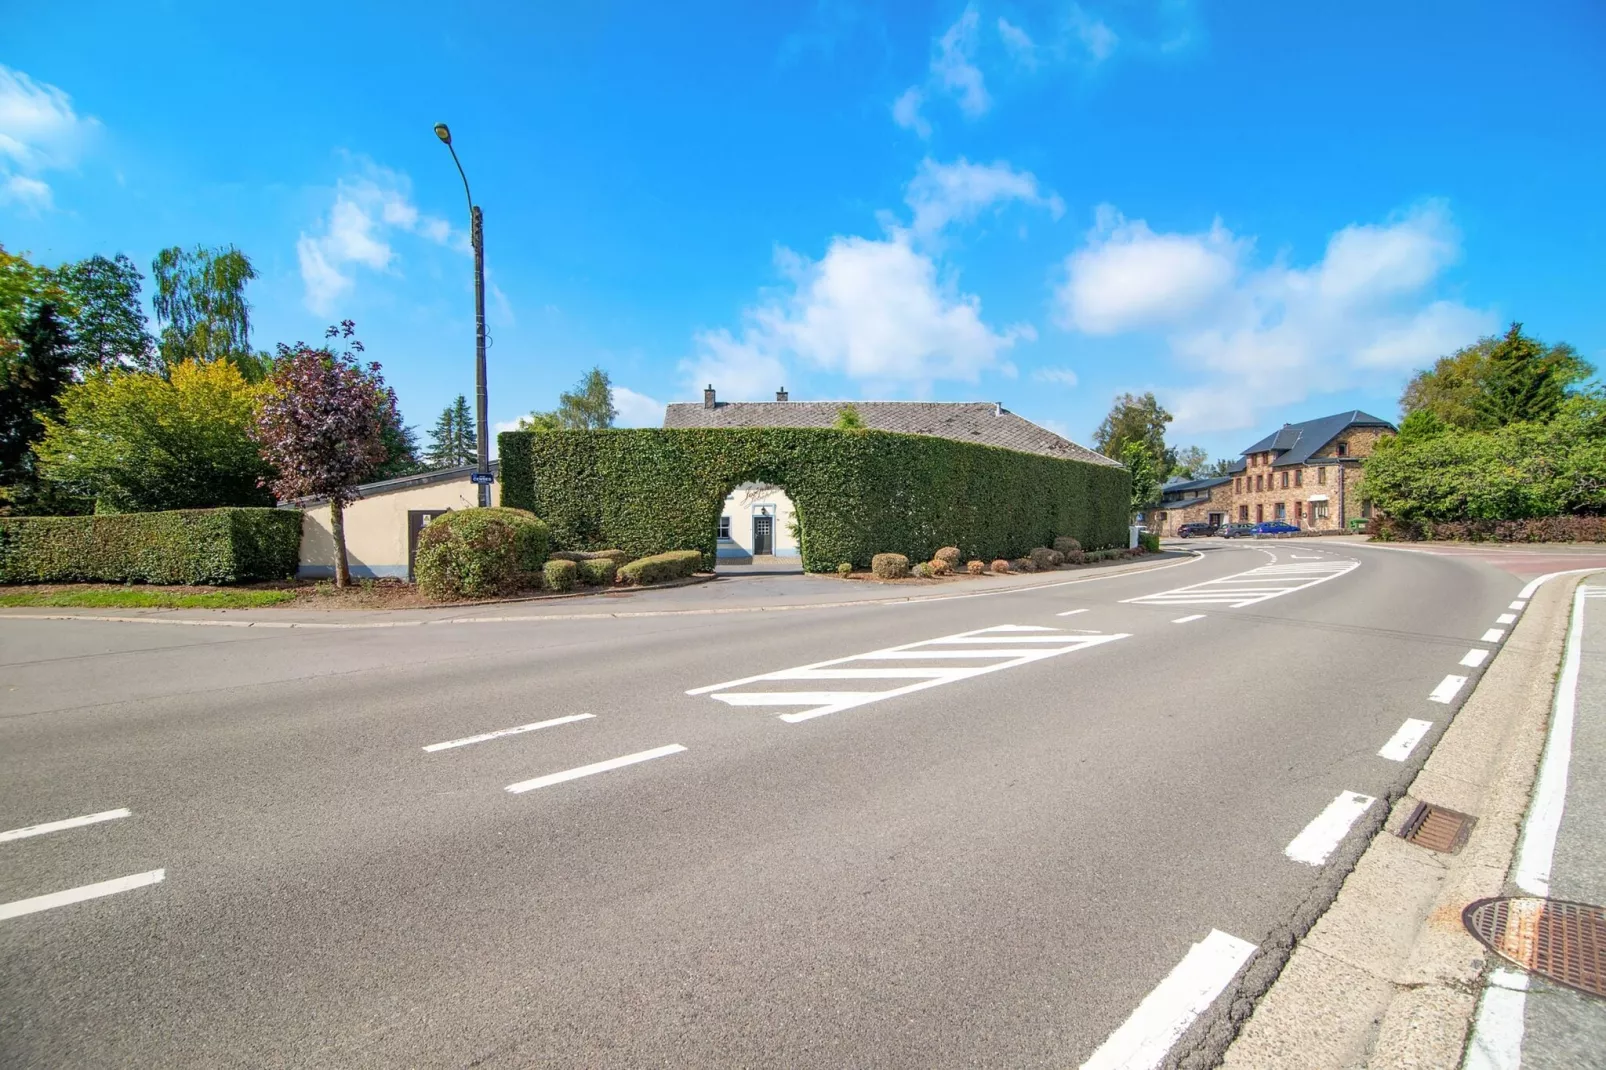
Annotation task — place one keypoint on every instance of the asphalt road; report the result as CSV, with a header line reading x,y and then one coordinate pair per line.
x,y
994,870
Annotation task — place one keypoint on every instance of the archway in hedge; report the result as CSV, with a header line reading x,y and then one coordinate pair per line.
x,y
760,531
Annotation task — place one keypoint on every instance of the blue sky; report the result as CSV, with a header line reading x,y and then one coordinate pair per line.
x,y
1261,211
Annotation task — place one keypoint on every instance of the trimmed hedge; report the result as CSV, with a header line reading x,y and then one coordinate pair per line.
x,y
478,553
1533,529
856,494
597,571
211,546
889,566
675,565
559,574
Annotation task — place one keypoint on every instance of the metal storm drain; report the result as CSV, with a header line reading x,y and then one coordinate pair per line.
x,y
1436,828
1565,942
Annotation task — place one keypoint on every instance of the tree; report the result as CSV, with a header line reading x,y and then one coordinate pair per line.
x,y
848,419
30,394
200,303
1137,418
1145,480
452,441
1523,382
108,321
1191,463
322,427
589,406
1456,387
401,449
136,441
24,286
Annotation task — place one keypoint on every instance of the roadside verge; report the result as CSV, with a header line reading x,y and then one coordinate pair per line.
x,y
1388,976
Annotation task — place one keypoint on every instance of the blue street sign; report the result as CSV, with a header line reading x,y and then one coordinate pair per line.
x,y
481,477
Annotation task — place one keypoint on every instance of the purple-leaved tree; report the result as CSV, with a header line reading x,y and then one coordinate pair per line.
x,y
321,426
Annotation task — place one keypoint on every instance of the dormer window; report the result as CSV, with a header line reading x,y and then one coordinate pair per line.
x,y
1342,449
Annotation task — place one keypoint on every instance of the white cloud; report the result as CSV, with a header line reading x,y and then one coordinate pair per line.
x,y
954,68
1062,376
1261,337
1094,34
637,410
1127,276
941,194
39,132
906,112
370,206
873,311
1018,42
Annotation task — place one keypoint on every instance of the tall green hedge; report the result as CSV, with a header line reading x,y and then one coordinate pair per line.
x,y
857,493
180,546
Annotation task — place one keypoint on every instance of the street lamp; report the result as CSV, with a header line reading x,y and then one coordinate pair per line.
x,y
477,239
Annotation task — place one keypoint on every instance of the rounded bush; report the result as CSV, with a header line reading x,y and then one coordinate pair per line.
x,y
479,553
560,574
844,570
948,554
659,568
1023,564
941,566
921,570
975,568
889,566
596,571
1041,558
1076,557
1000,565
1067,545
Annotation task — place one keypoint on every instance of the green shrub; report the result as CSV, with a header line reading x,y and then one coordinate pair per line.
x,y
921,570
975,568
479,553
1150,541
642,490
889,566
1022,564
618,557
559,574
190,546
1067,545
568,555
1042,558
597,571
950,554
658,568
844,570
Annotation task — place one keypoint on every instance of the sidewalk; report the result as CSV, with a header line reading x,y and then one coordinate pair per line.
x,y
1525,1019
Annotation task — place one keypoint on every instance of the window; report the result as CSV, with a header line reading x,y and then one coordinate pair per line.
x,y
1321,476
1299,512
1243,513
1282,511
1260,513
1299,477
1260,482
724,527
1285,479
1318,510
1366,509
1237,485
1342,449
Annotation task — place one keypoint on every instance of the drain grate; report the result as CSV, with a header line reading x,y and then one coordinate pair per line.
x,y
1565,942
1436,828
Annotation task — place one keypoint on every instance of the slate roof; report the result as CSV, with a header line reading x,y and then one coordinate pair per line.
x,y
1195,484
983,422
1294,443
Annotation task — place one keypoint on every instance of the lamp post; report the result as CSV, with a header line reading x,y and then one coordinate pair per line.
x,y
477,239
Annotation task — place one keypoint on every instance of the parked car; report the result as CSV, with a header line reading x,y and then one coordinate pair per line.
x,y
1197,528
1275,527
1237,531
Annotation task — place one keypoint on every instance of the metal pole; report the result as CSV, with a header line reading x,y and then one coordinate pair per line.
x,y
477,236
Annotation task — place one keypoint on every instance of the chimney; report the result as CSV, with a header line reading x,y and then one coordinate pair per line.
x,y
781,394
708,396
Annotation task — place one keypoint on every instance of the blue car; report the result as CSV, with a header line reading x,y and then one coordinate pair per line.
x,y
1275,527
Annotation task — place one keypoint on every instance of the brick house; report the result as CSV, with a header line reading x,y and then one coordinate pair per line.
x,y
1307,474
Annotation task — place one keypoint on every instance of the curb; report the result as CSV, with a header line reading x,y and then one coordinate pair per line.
x,y
1387,976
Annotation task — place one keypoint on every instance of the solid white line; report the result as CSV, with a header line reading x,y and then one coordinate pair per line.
x,y
891,672
1517,605
68,823
1016,628
1048,639
1070,613
791,698
1496,1041
595,767
1403,742
1493,635
78,895
915,655
1192,616
1447,688
1144,1039
1320,837
1506,618
1534,584
1475,657
1538,843
466,740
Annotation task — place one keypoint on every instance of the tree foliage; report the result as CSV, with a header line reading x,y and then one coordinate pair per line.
x,y
1137,418
1191,463
848,419
139,442
452,441
1145,481
201,305
1497,380
108,319
31,385
588,407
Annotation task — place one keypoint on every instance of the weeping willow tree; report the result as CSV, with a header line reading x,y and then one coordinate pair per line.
x,y
201,307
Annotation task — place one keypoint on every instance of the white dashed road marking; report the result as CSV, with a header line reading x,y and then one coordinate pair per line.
x,y
595,767
1506,618
1190,617
1320,837
1070,613
78,895
1252,587
68,823
1447,688
1403,742
1517,606
1493,635
1474,657
499,733
1002,647
1144,1039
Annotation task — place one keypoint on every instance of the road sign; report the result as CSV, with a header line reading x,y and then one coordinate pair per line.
x,y
481,477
